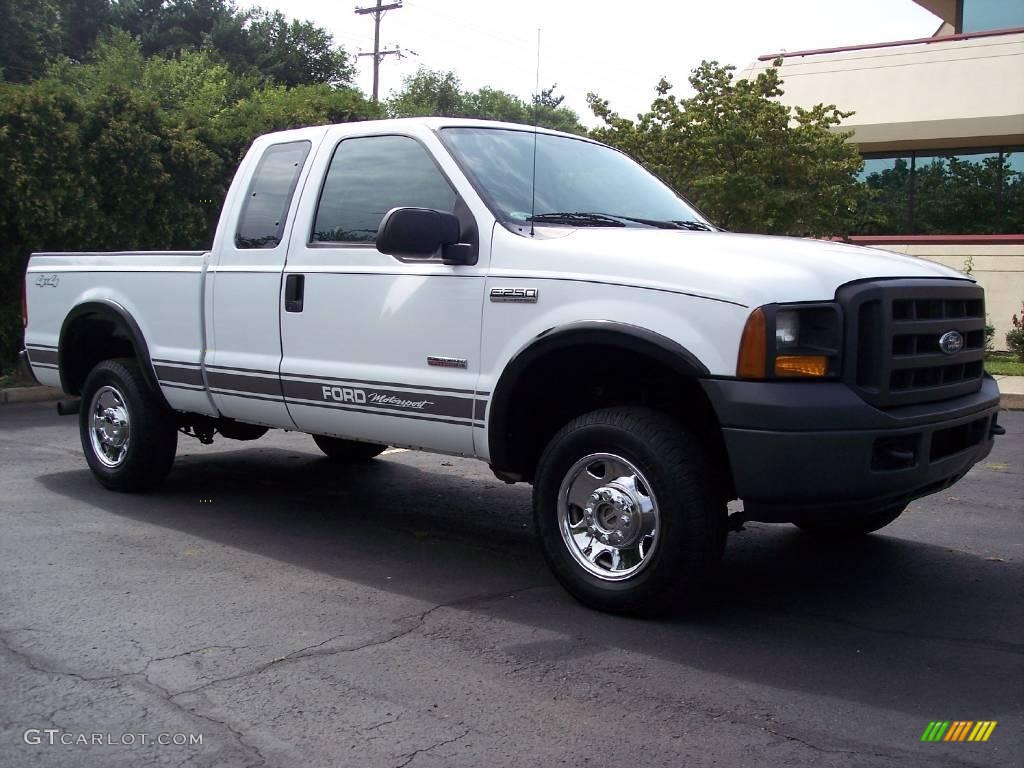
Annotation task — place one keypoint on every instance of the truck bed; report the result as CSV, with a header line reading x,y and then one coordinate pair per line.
x,y
162,290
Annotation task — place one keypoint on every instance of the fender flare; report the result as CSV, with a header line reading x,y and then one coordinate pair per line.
x,y
108,310
623,335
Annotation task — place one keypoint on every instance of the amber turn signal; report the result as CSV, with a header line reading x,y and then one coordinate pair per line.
x,y
751,362
801,365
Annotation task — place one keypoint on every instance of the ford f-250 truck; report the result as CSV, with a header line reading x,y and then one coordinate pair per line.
x,y
540,302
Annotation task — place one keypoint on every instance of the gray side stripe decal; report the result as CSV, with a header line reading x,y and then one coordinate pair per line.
x,y
385,399
186,387
179,375
246,395
306,377
42,356
242,383
369,412
361,396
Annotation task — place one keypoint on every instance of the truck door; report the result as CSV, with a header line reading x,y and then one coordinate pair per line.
x,y
375,347
241,365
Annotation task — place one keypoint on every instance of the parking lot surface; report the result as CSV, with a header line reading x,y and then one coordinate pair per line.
x,y
294,613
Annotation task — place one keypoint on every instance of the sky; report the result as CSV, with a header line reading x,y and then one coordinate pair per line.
x,y
617,49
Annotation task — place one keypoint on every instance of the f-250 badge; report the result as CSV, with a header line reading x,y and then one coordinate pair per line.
x,y
515,295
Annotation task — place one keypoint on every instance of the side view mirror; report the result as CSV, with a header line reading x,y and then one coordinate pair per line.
x,y
421,232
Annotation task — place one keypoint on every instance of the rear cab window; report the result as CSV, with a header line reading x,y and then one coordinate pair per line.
x,y
265,209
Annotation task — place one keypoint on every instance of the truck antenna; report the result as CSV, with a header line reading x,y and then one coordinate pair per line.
x,y
536,119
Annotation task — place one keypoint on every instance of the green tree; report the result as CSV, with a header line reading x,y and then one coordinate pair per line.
x,y
750,162
295,53
253,41
82,21
437,93
429,93
30,34
276,108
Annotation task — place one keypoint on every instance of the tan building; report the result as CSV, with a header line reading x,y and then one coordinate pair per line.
x,y
940,122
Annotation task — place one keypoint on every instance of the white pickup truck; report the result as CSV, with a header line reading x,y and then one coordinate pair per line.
x,y
540,302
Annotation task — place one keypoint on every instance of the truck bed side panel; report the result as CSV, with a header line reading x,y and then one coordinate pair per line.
x,y
159,290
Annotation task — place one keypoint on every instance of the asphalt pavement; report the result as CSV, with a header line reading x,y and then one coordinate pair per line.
x,y
292,613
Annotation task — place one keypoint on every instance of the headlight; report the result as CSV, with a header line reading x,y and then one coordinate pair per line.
x,y
791,341
787,330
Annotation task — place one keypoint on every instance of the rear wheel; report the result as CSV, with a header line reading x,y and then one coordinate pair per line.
x,y
351,451
851,525
129,436
626,511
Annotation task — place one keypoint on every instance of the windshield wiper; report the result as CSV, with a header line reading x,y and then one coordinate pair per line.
x,y
668,224
584,219
696,226
578,219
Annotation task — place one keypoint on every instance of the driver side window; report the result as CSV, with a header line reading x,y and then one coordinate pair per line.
x,y
367,177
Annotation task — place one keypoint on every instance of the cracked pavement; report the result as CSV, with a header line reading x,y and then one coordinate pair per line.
x,y
400,614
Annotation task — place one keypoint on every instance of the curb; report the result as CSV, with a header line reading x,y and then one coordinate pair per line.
x,y
1011,402
36,394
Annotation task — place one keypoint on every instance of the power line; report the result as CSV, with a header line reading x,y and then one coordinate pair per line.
x,y
378,11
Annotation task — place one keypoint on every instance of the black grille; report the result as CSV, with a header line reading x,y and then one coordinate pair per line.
x,y
893,332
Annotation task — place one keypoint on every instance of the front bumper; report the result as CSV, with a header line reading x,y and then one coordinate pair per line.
x,y
803,448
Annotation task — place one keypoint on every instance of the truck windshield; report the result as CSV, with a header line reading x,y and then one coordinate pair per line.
x,y
579,183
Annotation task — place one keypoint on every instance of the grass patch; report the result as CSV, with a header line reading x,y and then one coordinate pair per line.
x,y
999,364
11,377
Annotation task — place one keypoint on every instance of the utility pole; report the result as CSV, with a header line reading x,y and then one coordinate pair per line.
x,y
378,11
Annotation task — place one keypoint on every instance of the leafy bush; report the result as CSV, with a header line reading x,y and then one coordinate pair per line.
x,y
1015,336
125,152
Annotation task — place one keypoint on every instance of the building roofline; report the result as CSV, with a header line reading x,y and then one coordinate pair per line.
x,y
1010,239
892,44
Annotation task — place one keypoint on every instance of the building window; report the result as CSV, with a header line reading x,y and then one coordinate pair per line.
x,y
944,193
987,15
888,209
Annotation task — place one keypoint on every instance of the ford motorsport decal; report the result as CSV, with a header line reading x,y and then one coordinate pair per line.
x,y
454,406
351,395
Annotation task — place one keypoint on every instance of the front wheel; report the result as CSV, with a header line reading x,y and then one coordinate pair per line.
x,y
626,511
129,436
851,524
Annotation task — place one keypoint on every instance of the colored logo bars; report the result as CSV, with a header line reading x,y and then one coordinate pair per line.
x,y
958,730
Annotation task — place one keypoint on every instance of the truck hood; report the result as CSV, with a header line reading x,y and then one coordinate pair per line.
x,y
746,269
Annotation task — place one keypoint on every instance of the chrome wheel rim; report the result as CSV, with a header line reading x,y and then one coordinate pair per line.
x,y
109,426
608,516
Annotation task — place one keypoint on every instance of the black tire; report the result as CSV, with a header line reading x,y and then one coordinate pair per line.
x,y
152,435
348,451
850,524
674,466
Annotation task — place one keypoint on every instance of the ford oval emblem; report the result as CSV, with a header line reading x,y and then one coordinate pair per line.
x,y
951,342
